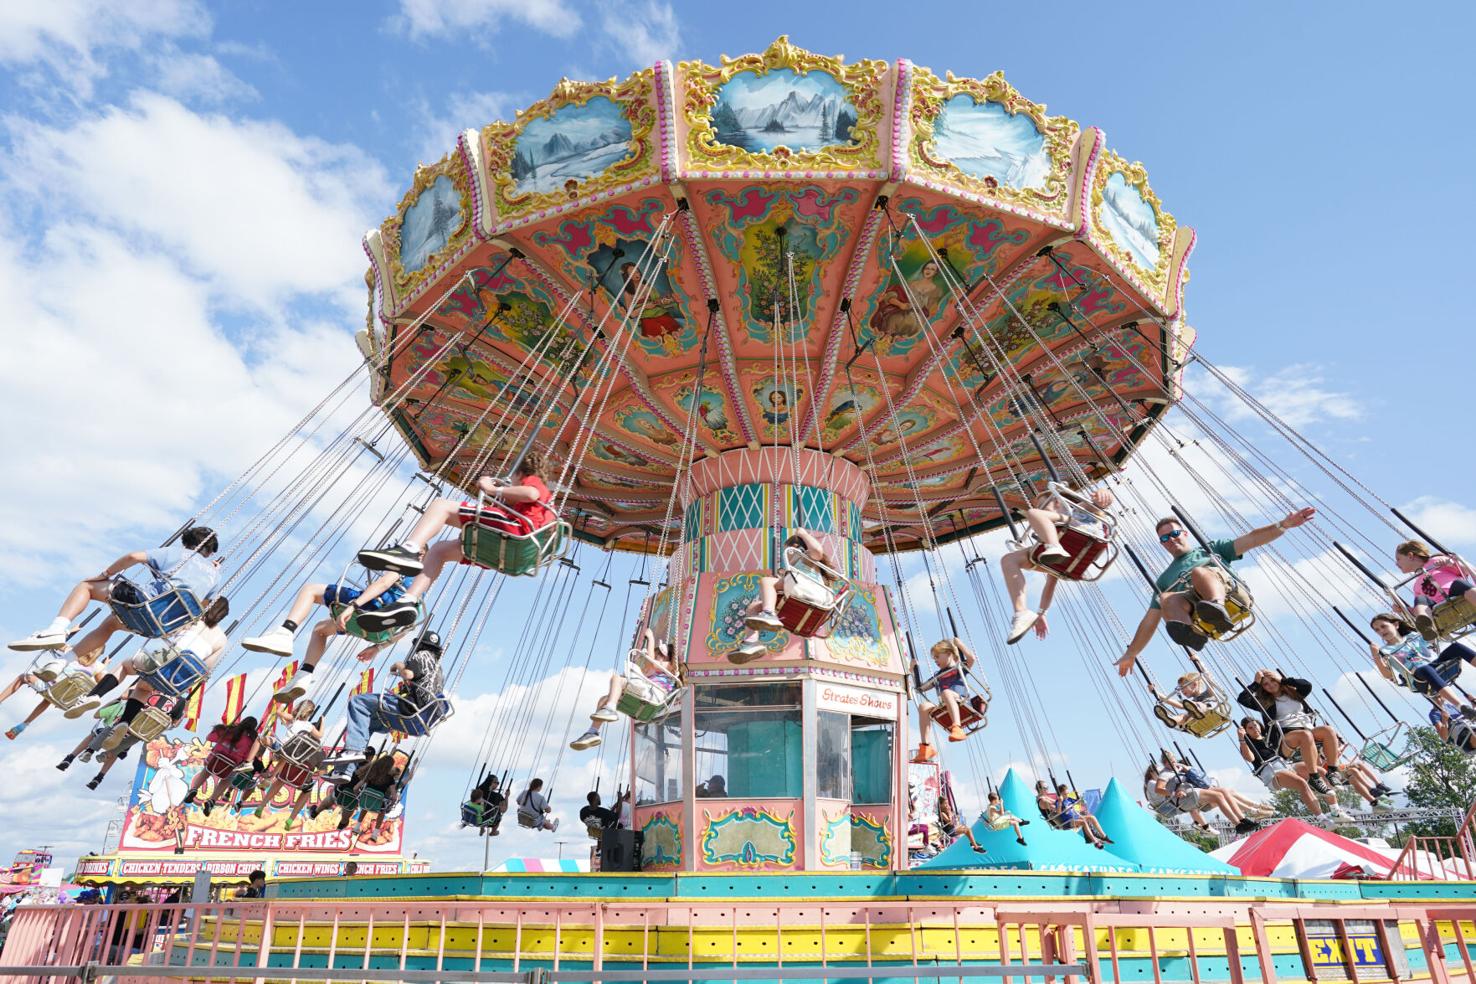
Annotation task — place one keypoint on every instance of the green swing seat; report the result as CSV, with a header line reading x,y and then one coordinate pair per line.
x,y
382,636
514,554
1383,751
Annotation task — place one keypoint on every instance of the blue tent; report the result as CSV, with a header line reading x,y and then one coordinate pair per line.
x,y
1137,836
1045,849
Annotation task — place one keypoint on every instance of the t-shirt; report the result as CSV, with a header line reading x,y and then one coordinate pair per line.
x,y
184,568
1179,568
536,512
1409,653
1284,707
1262,749
299,727
1440,572
597,816
532,802
425,682
947,678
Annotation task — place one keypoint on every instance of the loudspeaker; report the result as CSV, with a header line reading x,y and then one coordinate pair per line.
x,y
620,850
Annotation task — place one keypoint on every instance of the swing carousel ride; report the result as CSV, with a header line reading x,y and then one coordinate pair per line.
x,y
798,325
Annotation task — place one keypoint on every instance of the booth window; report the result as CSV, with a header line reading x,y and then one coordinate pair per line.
x,y
871,760
748,741
658,760
833,756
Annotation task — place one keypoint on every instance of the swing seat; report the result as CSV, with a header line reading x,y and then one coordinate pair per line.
x,y
1238,604
1453,616
417,724
644,699
153,617
483,816
219,765
172,671
808,606
973,713
346,796
66,690
529,820
1090,558
298,760
373,800
156,717
1205,716
244,778
354,629
519,554
1385,750
1212,722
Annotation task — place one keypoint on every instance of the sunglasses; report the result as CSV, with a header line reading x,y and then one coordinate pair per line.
x,y
1170,535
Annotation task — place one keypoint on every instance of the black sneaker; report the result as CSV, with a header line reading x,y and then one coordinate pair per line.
x,y
397,615
1213,614
1334,777
64,764
1318,784
1186,635
395,558
1247,826
95,781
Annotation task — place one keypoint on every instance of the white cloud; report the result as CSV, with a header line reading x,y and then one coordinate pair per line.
x,y
66,35
257,210
436,132
1450,522
478,18
199,79
1298,394
641,31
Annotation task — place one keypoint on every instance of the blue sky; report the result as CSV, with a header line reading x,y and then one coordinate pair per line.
x,y
183,188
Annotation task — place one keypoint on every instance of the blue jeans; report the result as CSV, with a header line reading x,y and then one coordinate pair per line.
x,y
365,719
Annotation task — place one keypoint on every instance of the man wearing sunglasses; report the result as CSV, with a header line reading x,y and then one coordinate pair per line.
x,y
1202,580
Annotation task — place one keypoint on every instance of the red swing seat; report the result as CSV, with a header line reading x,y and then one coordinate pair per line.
x,y
1089,560
973,713
808,606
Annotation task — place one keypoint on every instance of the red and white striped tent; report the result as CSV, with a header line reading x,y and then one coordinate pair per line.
x,y
1296,849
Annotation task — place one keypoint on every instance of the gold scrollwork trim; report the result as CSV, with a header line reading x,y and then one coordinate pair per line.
x,y
636,97
930,94
1137,176
451,167
861,80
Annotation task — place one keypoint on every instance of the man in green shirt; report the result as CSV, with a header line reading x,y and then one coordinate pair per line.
x,y
1196,582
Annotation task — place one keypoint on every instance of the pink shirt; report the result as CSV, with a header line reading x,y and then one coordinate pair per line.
x,y
1440,572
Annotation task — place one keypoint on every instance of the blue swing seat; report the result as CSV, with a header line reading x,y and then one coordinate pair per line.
x,y
482,815
176,672
418,724
153,617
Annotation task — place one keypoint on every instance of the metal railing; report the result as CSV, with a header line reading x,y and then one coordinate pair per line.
x,y
1070,940
1439,857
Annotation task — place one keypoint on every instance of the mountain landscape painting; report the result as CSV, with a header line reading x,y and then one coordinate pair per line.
x,y
987,141
575,143
429,223
801,112
1131,221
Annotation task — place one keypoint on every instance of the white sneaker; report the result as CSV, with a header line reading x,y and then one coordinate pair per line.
x,y
83,707
294,688
1052,551
45,639
49,670
764,622
1020,625
747,653
552,826
277,642
606,714
589,739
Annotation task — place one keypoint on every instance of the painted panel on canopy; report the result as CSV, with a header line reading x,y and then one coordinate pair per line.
x,y
634,422
976,243
752,259
443,432
1033,298
983,137
716,425
917,422
584,139
1129,223
774,404
848,406
786,109
431,223
473,376
493,301
609,249
612,452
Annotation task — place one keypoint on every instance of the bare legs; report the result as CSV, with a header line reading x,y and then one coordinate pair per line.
x,y
438,515
97,638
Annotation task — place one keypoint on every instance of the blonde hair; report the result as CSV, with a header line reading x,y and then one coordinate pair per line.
x,y
1189,678
532,464
945,647
1412,548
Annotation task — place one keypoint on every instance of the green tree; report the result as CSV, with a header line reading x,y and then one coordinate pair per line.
x,y
1441,777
